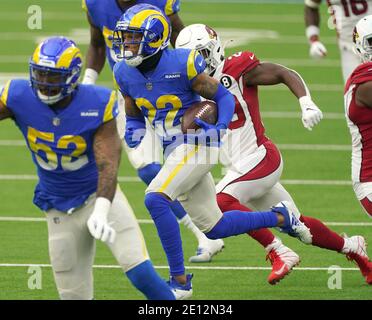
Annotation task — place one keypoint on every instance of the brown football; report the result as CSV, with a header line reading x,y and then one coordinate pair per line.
x,y
204,110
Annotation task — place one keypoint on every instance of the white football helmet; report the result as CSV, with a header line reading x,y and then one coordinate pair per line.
x,y
362,38
205,40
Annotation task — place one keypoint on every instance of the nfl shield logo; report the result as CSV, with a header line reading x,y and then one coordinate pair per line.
x,y
149,86
56,122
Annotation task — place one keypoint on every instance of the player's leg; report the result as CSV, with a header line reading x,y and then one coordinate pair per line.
x,y
251,178
177,176
363,192
71,251
349,60
322,236
185,175
130,251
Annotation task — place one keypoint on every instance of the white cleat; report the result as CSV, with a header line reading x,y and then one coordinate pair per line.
x,y
294,226
181,291
207,250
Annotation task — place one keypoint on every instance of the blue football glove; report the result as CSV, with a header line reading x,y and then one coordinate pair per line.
x,y
211,134
135,130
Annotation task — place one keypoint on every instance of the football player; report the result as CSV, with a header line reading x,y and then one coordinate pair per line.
x,y
358,112
254,164
345,14
71,132
160,85
146,157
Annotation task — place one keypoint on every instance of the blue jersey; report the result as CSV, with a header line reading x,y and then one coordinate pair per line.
x,y
164,95
61,143
105,13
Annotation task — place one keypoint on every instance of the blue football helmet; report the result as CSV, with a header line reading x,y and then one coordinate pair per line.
x,y
55,68
144,26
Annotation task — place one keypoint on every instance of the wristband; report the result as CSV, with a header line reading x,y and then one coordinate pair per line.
x,y
90,76
102,206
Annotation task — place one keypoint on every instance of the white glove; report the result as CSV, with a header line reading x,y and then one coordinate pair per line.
x,y
317,50
311,114
90,76
97,222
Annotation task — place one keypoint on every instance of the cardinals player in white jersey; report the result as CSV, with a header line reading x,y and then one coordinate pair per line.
x,y
253,162
358,112
345,14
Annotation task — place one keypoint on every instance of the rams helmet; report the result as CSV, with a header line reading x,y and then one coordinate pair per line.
x,y
144,26
55,68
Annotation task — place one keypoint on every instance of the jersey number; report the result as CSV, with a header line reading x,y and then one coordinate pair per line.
x,y
37,141
161,104
358,7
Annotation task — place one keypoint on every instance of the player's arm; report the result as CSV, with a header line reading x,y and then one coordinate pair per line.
x,y
271,74
96,55
363,94
211,89
107,151
177,26
135,125
312,22
5,113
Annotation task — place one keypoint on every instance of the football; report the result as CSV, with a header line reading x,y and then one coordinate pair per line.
x,y
203,110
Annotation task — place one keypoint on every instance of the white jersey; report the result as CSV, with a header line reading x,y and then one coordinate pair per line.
x,y
346,14
246,132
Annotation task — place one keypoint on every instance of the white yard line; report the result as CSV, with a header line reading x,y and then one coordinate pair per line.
x,y
26,177
22,265
149,221
285,146
297,115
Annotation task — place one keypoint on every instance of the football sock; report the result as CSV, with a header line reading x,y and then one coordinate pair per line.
x,y
187,222
323,237
178,210
227,202
168,231
236,222
149,172
146,280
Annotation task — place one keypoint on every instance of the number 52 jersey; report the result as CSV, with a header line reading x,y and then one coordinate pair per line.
x,y
61,142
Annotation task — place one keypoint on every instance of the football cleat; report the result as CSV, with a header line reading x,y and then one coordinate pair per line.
x,y
207,250
355,249
293,226
282,259
181,291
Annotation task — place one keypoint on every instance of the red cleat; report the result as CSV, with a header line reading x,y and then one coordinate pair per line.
x,y
356,250
282,260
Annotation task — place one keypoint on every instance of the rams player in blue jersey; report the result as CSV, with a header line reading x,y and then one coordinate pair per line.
x,y
161,84
71,132
146,157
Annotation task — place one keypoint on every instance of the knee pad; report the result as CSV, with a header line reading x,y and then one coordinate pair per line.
x,y
149,172
225,201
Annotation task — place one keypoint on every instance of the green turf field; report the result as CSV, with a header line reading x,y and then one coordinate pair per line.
x,y
317,163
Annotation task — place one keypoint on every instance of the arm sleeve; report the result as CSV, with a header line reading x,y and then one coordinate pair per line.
x,y
226,105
